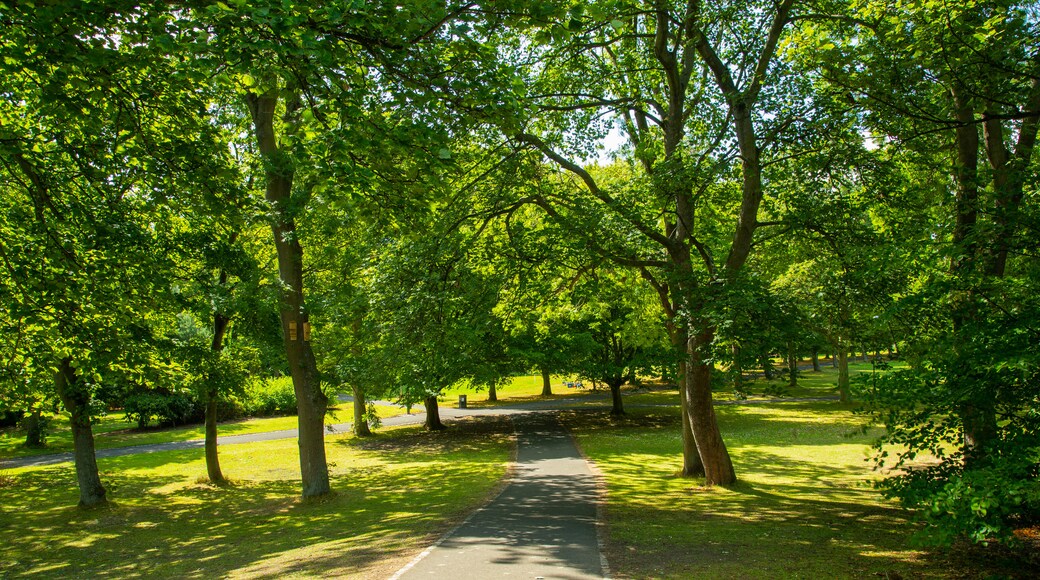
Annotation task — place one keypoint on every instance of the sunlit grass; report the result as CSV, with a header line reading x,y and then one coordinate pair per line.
x,y
394,492
518,389
114,431
810,384
804,505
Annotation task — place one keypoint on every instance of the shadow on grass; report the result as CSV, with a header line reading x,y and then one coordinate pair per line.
x,y
804,505
164,524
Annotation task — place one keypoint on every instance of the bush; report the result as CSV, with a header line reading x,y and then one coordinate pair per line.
x,y
167,409
266,397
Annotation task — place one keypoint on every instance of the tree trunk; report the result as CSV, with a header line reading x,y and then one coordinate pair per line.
x,y
718,467
433,415
546,382
311,401
738,371
492,392
834,360
692,464
815,359
976,412
220,323
360,427
792,366
767,367
843,375
77,402
617,406
35,432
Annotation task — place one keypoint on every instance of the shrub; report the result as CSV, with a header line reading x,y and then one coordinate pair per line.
x,y
167,409
265,397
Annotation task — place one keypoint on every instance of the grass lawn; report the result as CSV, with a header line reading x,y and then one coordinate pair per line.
x,y
518,390
810,384
113,431
394,493
804,506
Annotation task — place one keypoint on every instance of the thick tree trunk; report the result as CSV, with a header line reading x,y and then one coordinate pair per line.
x,y
718,467
815,359
35,432
617,406
311,401
360,427
546,382
77,402
433,415
492,392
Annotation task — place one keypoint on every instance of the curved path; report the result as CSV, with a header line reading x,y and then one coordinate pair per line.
x,y
542,525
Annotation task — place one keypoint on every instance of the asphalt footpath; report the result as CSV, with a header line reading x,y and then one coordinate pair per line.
x,y
542,525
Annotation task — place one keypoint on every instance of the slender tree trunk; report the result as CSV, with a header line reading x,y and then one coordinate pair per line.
x,y
546,382
843,375
738,371
792,366
360,427
220,323
718,467
77,402
492,392
816,359
767,367
834,360
311,401
976,411
617,406
433,415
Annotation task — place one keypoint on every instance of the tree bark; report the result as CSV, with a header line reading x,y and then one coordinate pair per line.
x,y
792,366
692,464
35,432
360,427
433,415
718,467
546,382
77,402
492,392
815,359
738,371
311,401
843,375
617,406
767,367
220,323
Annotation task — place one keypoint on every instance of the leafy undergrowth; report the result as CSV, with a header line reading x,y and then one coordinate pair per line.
x,y
804,507
113,431
393,493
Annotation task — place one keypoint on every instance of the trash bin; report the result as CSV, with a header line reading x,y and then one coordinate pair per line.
x,y
462,401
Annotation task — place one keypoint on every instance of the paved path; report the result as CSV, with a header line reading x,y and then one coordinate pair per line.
x,y
543,525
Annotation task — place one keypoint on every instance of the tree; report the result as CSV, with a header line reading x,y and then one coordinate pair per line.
x,y
954,85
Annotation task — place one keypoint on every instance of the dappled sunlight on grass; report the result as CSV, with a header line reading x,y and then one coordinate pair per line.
x,y
391,495
112,431
804,505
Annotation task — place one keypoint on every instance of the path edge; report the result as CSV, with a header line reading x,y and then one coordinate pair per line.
x,y
507,479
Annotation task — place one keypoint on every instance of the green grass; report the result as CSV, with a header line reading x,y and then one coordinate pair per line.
x,y
394,493
519,389
810,384
804,505
114,431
